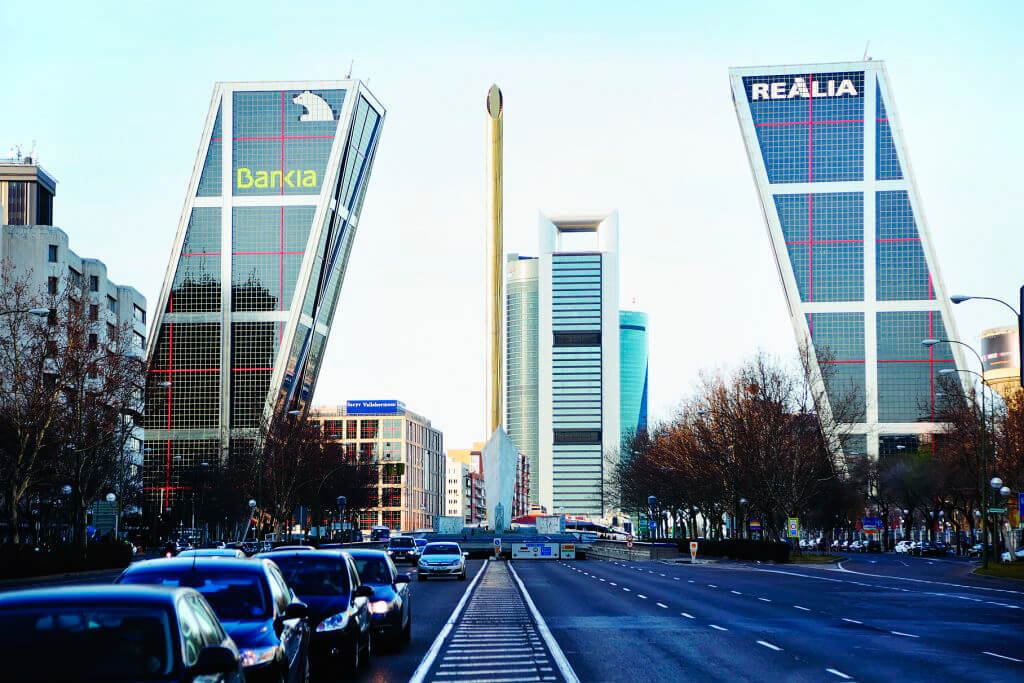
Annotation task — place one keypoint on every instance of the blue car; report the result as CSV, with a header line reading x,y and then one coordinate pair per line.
x,y
391,604
339,610
252,601
113,633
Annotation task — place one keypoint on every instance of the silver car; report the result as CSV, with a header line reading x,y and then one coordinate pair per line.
x,y
443,558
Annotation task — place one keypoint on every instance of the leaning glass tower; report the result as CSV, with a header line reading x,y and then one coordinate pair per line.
x,y
851,243
257,265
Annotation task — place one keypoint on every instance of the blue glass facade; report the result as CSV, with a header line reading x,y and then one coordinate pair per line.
x,y
853,255
633,372
270,227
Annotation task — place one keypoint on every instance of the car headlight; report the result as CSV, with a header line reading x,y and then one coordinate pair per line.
x,y
333,623
379,607
258,655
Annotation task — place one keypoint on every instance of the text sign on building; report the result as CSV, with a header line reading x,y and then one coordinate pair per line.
x,y
804,86
374,407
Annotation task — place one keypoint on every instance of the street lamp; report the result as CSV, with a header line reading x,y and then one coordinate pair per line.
x,y
111,498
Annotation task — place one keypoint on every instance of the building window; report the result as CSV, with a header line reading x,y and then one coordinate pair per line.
x,y
140,315
368,429
112,304
111,332
93,340
51,318
51,286
94,312
52,258
51,348
94,283
140,340
351,429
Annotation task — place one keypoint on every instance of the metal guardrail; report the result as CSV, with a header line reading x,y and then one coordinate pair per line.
x,y
640,551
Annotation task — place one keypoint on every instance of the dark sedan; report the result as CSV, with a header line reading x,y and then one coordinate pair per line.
x,y
403,549
391,604
252,601
339,611
113,633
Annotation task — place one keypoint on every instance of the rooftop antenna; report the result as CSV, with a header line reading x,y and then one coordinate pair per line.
x,y
350,65
866,58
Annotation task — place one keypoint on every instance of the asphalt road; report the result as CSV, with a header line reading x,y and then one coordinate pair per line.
x,y
871,622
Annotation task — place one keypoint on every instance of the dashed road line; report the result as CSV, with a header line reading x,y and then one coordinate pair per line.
x,y
642,597
764,599
768,645
736,593
996,654
836,672
852,621
905,635
718,628
805,609
662,605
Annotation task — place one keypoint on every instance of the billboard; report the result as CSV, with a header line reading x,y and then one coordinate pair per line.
x,y
1000,349
386,407
534,550
448,525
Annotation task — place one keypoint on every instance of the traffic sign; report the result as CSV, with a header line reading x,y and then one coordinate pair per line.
x,y
497,542
754,524
652,525
793,527
693,551
997,511
872,523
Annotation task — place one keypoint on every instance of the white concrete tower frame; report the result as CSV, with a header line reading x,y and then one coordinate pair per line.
x,y
551,230
875,79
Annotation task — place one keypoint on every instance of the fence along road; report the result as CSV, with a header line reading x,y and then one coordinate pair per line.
x,y
497,635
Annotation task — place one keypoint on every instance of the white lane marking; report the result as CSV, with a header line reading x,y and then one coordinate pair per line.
x,y
675,578
662,605
711,585
905,635
662,575
805,609
556,652
764,599
603,581
994,654
688,616
844,570
769,645
689,581
852,621
718,628
642,597
626,589
838,673
421,671
613,583
736,593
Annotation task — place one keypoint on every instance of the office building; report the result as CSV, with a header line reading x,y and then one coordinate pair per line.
x,y
849,236
632,372
457,488
521,361
1000,354
26,192
409,451
578,360
474,495
256,269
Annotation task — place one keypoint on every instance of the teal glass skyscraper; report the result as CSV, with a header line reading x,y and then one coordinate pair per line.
x,y
633,372
521,362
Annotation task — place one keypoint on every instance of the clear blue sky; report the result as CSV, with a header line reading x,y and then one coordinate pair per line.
x,y
608,105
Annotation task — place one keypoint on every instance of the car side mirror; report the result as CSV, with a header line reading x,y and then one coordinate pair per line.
x,y
364,591
465,555
215,659
296,610
403,578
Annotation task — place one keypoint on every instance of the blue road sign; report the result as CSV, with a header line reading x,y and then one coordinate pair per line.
x,y
652,524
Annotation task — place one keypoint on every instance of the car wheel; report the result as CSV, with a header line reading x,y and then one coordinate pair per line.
x,y
407,631
462,576
367,651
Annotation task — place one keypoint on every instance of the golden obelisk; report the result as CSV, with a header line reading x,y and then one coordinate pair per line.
x,y
495,254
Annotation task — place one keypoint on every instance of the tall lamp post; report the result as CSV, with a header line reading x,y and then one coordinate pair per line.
x,y
997,487
111,498
983,437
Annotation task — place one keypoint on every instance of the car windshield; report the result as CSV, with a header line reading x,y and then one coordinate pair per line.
x,y
373,570
59,642
401,543
234,595
311,575
442,549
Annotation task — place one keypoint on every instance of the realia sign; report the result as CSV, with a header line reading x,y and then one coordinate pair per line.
x,y
804,86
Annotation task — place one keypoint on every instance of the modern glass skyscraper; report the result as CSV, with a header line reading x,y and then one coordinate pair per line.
x,y
521,361
578,360
256,269
849,236
633,372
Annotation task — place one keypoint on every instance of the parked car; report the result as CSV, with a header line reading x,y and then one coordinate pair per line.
x,y
258,609
213,552
855,547
902,547
339,611
872,546
403,549
113,633
441,559
294,547
391,603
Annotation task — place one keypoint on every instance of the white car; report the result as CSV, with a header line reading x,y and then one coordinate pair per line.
x,y
443,558
903,547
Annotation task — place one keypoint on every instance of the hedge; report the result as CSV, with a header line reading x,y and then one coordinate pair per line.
x,y
738,549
